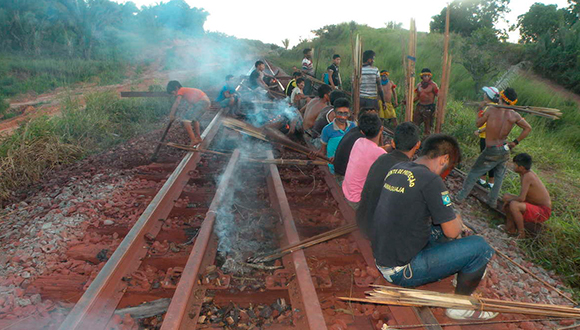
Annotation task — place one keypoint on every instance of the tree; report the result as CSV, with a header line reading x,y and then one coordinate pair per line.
x,y
392,25
286,43
470,15
479,55
539,20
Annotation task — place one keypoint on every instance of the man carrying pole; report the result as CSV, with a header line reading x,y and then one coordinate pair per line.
x,y
500,122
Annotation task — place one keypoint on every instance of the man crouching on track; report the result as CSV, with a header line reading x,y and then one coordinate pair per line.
x,y
415,230
196,102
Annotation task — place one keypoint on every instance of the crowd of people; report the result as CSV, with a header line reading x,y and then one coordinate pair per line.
x,y
396,185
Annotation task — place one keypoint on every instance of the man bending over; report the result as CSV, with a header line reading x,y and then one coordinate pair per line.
x,y
197,103
533,206
415,230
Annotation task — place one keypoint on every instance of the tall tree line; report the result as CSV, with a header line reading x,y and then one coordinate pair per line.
x,y
90,28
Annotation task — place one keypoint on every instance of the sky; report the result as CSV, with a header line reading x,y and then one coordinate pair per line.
x,y
272,21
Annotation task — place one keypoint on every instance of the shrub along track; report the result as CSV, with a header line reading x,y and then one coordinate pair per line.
x,y
171,251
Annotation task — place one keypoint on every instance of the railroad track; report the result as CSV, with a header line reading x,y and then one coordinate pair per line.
x,y
185,255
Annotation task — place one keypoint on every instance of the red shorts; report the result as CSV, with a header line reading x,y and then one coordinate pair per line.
x,y
536,213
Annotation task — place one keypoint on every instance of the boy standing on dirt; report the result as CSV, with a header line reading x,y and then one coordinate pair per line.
x,y
490,96
500,122
533,206
370,83
387,112
196,102
426,90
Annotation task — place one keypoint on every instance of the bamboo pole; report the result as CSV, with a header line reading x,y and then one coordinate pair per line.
x,y
447,79
472,323
411,59
443,90
278,161
317,239
357,64
269,135
412,297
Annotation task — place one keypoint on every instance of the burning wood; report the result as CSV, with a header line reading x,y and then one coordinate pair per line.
x,y
320,238
268,135
280,161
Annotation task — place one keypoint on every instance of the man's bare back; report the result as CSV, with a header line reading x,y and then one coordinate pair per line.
x,y
313,108
388,91
500,122
537,193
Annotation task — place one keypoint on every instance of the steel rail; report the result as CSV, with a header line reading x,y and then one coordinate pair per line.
x,y
310,300
178,309
98,303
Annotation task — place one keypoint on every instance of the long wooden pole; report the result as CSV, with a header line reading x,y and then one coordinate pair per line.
x,y
444,77
356,59
411,60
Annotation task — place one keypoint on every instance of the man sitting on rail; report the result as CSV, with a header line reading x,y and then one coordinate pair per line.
x,y
364,153
533,206
292,84
315,106
344,148
228,97
333,132
196,102
415,229
405,143
297,98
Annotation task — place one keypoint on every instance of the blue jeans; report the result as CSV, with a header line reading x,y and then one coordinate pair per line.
x,y
441,258
492,158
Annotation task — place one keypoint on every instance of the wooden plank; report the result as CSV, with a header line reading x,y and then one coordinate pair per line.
x,y
145,94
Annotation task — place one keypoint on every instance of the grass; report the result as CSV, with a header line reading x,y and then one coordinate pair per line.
x,y
22,75
44,143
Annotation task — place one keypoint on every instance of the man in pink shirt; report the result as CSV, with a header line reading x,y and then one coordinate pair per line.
x,y
364,153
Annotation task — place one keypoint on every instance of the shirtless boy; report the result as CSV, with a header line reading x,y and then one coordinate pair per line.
x,y
533,205
500,122
196,102
426,90
387,112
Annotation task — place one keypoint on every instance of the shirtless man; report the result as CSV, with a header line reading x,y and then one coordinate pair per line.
x,y
316,105
426,90
387,112
500,122
533,206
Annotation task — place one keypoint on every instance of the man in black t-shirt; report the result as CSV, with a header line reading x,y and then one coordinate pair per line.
x,y
405,143
333,73
344,148
415,229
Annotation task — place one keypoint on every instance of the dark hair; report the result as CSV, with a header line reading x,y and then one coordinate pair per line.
x,y
230,76
323,90
342,103
258,63
335,56
306,51
438,145
365,110
406,136
297,74
336,94
172,86
368,54
370,124
524,160
299,80
511,94
425,70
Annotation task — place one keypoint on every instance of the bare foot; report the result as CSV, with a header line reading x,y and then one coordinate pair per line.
x,y
196,142
521,236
